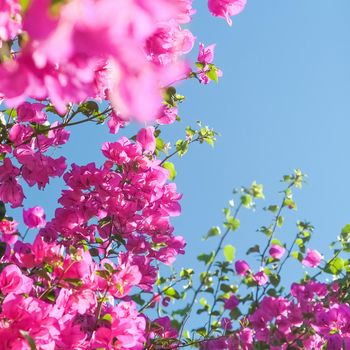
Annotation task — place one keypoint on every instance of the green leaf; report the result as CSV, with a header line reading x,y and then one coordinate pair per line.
x,y
51,109
297,255
202,331
103,274
172,293
254,249
76,282
200,65
272,292
25,5
229,252
345,232
137,299
181,147
232,223
277,242
186,273
107,317
280,221
190,132
2,210
94,252
203,301
257,190
212,74
273,208
275,279
171,168
335,266
2,249
227,288
206,258
246,200
266,231
109,268
288,202
160,144
169,95
235,313
29,339
214,231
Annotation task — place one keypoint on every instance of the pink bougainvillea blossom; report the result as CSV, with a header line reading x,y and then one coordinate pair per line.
x,y
226,8
241,267
34,217
312,258
276,251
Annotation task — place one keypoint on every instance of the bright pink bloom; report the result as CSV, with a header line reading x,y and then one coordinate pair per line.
x,y
31,112
116,122
146,138
10,20
123,281
186,11
231,303
226,8
168,43
312,258
12,280
246,338
126,331
276,251
241,267
162,328
226,324
260,278
167,115
8,229
206,54
205,58
34,217
10,190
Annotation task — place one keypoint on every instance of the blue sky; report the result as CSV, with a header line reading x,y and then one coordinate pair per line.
x,y
283,103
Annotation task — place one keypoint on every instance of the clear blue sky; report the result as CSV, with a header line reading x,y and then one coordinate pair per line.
x,y
283,103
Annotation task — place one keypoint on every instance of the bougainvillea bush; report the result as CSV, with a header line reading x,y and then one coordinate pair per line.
x,y
91,276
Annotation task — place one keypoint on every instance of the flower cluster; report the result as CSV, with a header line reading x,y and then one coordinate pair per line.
x,y
77,280
313,317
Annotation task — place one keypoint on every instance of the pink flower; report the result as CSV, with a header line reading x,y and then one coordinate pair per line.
x,y
146,139
231,303
31,112
226,8
34,217
168,43
13,281
10,190
8,229
162,328
312,258
124,280
186,11
10,20
167,115
126,331
206,54
260,278
242,267
226,324
276,251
